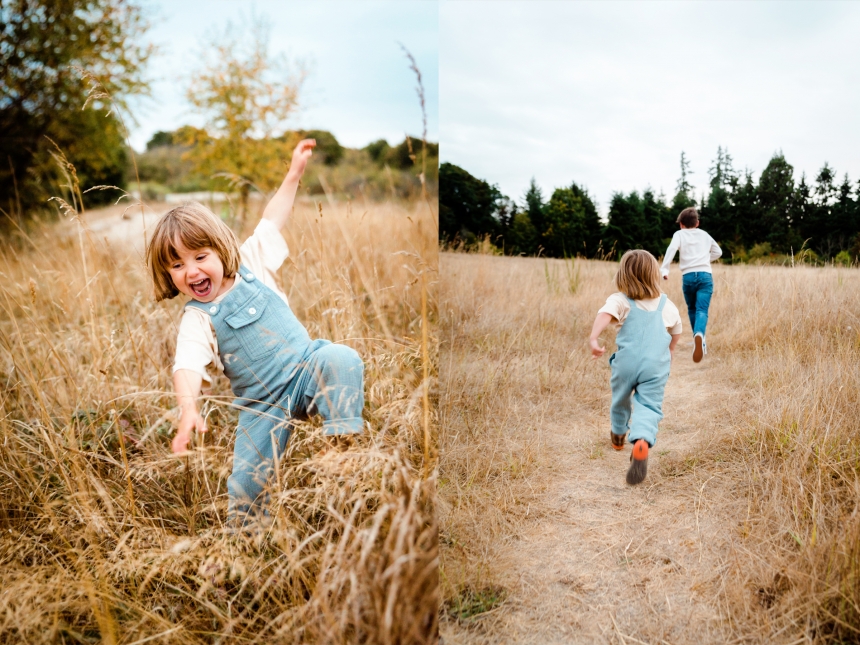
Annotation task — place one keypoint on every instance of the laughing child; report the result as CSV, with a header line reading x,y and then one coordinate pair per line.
x,y
238,321
650,326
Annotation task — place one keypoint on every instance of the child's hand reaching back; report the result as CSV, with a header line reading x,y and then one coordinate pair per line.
x,y
600,323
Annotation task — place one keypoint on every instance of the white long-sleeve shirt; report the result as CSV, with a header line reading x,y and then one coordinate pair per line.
x,y
698,250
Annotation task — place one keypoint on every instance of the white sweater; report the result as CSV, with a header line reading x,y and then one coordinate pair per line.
x,y
698,250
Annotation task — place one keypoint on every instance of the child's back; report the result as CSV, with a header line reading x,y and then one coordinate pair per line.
x,y
697,251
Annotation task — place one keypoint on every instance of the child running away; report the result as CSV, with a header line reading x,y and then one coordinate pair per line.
x,y
650,326
698,250
239,322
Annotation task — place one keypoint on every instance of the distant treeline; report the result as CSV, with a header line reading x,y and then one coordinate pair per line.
x,y
377,171
750,219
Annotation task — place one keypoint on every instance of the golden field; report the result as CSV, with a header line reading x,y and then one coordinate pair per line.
x,y
105,536
747,527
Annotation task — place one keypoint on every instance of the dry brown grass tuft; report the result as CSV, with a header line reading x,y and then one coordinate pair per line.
x,y
794,341
105,536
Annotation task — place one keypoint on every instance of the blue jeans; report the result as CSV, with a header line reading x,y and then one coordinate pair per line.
x,y
698,288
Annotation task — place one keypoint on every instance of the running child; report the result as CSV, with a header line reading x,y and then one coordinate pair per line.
x,y
238,321
650,326
698,250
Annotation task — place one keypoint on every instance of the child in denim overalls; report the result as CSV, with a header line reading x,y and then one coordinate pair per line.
x,y
650,328
239,321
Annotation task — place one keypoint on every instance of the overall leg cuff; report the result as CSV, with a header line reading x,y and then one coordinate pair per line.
x,y
333,427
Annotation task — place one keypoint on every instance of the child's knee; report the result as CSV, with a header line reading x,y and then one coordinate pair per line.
x,y
341,362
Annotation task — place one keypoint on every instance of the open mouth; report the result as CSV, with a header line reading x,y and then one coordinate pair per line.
x,y
201,288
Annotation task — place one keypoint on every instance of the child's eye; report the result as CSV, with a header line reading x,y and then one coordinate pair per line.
x,y
201,257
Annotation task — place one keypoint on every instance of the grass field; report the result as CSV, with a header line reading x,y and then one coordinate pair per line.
x,y
105,536
747,528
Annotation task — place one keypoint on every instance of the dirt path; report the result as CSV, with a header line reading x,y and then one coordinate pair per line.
x,y
598,561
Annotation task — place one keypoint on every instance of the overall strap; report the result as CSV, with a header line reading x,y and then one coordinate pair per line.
x,y
663,299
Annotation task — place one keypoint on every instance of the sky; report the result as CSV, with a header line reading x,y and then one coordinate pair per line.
x,y
608,94
360,86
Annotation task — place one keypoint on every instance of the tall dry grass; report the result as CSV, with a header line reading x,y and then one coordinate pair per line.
x,y
512,333
514,360
105,536
792,337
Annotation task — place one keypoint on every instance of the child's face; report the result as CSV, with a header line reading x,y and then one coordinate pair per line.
x,y
199,273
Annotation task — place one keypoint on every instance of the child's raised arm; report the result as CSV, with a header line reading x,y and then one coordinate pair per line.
x,y
281,205
600,323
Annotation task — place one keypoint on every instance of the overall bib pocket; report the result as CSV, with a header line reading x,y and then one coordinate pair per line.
x,y
253,334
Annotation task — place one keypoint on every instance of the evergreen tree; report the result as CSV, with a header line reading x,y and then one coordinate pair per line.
x,y
625,228
717,211
820,225
534,206
747,214
776,199
804,215
654,215
844,217
684,190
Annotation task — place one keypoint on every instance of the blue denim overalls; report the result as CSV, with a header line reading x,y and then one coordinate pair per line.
x,y
641,363
277,373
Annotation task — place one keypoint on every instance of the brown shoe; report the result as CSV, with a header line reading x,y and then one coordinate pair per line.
x,y
638,463
618,440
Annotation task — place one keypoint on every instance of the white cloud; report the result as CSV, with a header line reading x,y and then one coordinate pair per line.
x,y
608,94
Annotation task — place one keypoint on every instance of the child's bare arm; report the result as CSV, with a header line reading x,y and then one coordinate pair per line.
x,y
672,344
281,205
600,323
187,385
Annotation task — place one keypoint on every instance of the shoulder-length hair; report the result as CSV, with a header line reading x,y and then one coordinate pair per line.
x,y
638,275
195,227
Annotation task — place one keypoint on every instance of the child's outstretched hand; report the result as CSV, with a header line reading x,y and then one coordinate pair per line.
x,y
596,350
301,156
190,421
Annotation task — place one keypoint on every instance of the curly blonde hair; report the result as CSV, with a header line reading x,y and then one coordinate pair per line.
x,y
195,227
638,276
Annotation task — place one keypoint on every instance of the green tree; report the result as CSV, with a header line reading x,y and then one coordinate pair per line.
x,y
717,210
42,94
247,96
534,205
776,192
564,224
468,206
625,225
684,189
